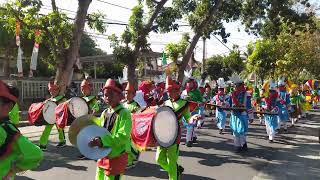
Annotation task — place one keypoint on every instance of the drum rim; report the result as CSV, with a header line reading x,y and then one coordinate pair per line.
x,y
53,114
81,100
153,128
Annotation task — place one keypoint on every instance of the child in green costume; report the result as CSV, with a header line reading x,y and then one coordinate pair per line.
x,y
167,157
17,153
90,99
133,107
55,97
117,120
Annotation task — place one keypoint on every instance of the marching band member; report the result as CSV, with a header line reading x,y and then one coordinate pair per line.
x,y
167,157
55,97
133,107
117,119
90,99
14,114
17,153
272,104
240,98
297,101
221,99
285,101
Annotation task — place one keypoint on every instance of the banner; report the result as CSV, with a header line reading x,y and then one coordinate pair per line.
x,y
19,62
141,133
34,56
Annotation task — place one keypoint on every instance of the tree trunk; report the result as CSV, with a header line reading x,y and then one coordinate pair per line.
x,y
144,32
69,58
195,39
6,65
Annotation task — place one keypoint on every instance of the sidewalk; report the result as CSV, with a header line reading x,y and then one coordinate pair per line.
x,y
300,159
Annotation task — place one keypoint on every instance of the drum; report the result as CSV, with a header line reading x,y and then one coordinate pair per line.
x,y
165,127
42,113
77,107
78,124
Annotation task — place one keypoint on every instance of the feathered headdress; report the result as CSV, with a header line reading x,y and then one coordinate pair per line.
x,y
235,78
221,83
124,75
281,81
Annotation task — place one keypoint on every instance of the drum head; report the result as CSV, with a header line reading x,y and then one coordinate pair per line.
x,y
78,107
48,112
165,127
85,136
78,124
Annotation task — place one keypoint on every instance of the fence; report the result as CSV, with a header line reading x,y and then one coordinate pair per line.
x,y
37,90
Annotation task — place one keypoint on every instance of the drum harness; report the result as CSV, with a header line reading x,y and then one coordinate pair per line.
x,y
110,119
11,135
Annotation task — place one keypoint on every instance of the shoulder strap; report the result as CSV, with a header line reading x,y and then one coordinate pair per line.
x,y
110,119
181,110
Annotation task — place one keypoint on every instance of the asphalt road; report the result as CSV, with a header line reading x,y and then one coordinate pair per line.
x,y
294,155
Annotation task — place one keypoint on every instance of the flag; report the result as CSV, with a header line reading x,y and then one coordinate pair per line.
x,y
164,59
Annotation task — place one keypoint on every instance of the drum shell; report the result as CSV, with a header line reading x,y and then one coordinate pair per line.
x,y
41,121
71,117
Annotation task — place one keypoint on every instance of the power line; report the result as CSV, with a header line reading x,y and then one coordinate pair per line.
x,y
116,5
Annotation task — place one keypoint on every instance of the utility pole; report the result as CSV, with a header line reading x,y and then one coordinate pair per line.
x,y
203,55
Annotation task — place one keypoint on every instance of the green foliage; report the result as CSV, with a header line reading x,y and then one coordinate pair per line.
x,y
223,66
176,50
286,55
95,21
56,32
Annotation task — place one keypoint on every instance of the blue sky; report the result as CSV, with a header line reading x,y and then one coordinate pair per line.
x,y
121,14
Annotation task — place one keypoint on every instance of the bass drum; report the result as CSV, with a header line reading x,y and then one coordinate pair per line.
x,y
77,107
48,112
165,127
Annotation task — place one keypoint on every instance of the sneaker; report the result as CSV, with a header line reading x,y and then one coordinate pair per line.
x,y
270,141
194,140
61,144
43,147
180,170
189,144
220,131
244,147
285,130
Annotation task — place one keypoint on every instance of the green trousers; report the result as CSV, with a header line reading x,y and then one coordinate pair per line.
x,y
101,176
45,135
133,155
167,158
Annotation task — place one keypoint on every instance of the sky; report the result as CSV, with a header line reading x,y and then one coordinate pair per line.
x,y
119,11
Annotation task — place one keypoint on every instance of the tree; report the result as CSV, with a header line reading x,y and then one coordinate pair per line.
x,y
134,39
62,37
207,17
176,50
223,66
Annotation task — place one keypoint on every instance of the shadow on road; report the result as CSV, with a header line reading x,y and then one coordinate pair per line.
x,y
153,170
55,157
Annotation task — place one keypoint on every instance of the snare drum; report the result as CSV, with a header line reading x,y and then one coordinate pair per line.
x,y
42,113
